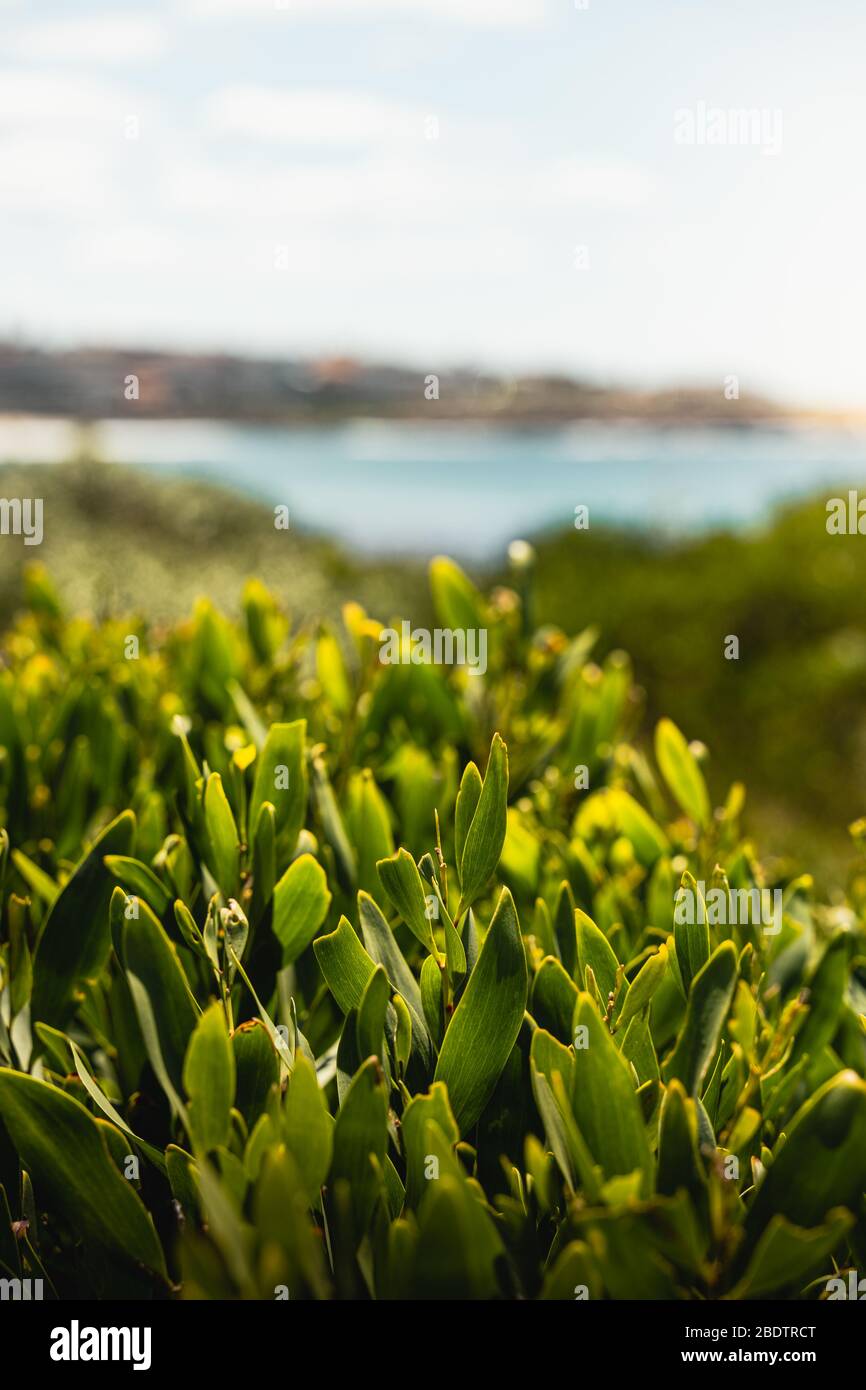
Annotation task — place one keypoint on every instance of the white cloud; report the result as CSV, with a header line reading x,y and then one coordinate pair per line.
x,y
47,99
310,117
98,38
42,174
598,183
481,14
133,248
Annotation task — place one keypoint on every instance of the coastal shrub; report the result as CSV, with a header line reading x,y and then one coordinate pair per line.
x,y
324,976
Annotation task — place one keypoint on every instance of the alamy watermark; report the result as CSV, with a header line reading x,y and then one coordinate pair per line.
x,y
22,516
729,907
760,126
443,646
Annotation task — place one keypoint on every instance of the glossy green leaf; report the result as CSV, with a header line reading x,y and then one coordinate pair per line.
x,y
281,778
643,987
604,1100
209,1080
405,888
138,879
467,804
486,834
383,949
257,1069
707,1008
151,960
691,930
75,940
308,1128
344,964
301,902
487,1020
554,996
224,847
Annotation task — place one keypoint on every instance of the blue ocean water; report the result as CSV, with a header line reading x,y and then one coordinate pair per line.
x,y
418,488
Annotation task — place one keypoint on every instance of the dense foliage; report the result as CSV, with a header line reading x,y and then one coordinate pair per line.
x,y
789,710
328,978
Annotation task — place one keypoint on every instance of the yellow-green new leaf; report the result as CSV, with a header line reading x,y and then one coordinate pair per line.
x,y
301,902
680,770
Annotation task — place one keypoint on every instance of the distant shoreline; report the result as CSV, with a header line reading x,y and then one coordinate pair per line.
x,y
90,385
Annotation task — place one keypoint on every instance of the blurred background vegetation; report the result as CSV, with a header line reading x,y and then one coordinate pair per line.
x,y
788,717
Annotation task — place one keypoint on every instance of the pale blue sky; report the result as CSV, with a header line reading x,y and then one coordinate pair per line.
x,y
283,196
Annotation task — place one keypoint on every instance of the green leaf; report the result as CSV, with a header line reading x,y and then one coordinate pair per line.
x,y
137,878
643,986
333,826
565,928
308,1128
604,1099
459,1248
786,1255
99,1097
595,951
826,993
370,1026
152,961
681,772
361,1136
631,819
486,834
402,1047
457,602
344,964
691,930
679,1164
403,883
431,999
36,879
301,902
209,1080
822,1163
432,1106
384,950
707,1008
487,1020
554,996
75,940
225,852
257,1069
60,1145
467,804
281,778
369,826
264,859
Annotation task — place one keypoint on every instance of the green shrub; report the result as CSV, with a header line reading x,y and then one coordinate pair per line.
x,y
328,978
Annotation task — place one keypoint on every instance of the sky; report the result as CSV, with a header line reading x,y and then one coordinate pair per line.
x,y
516,185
